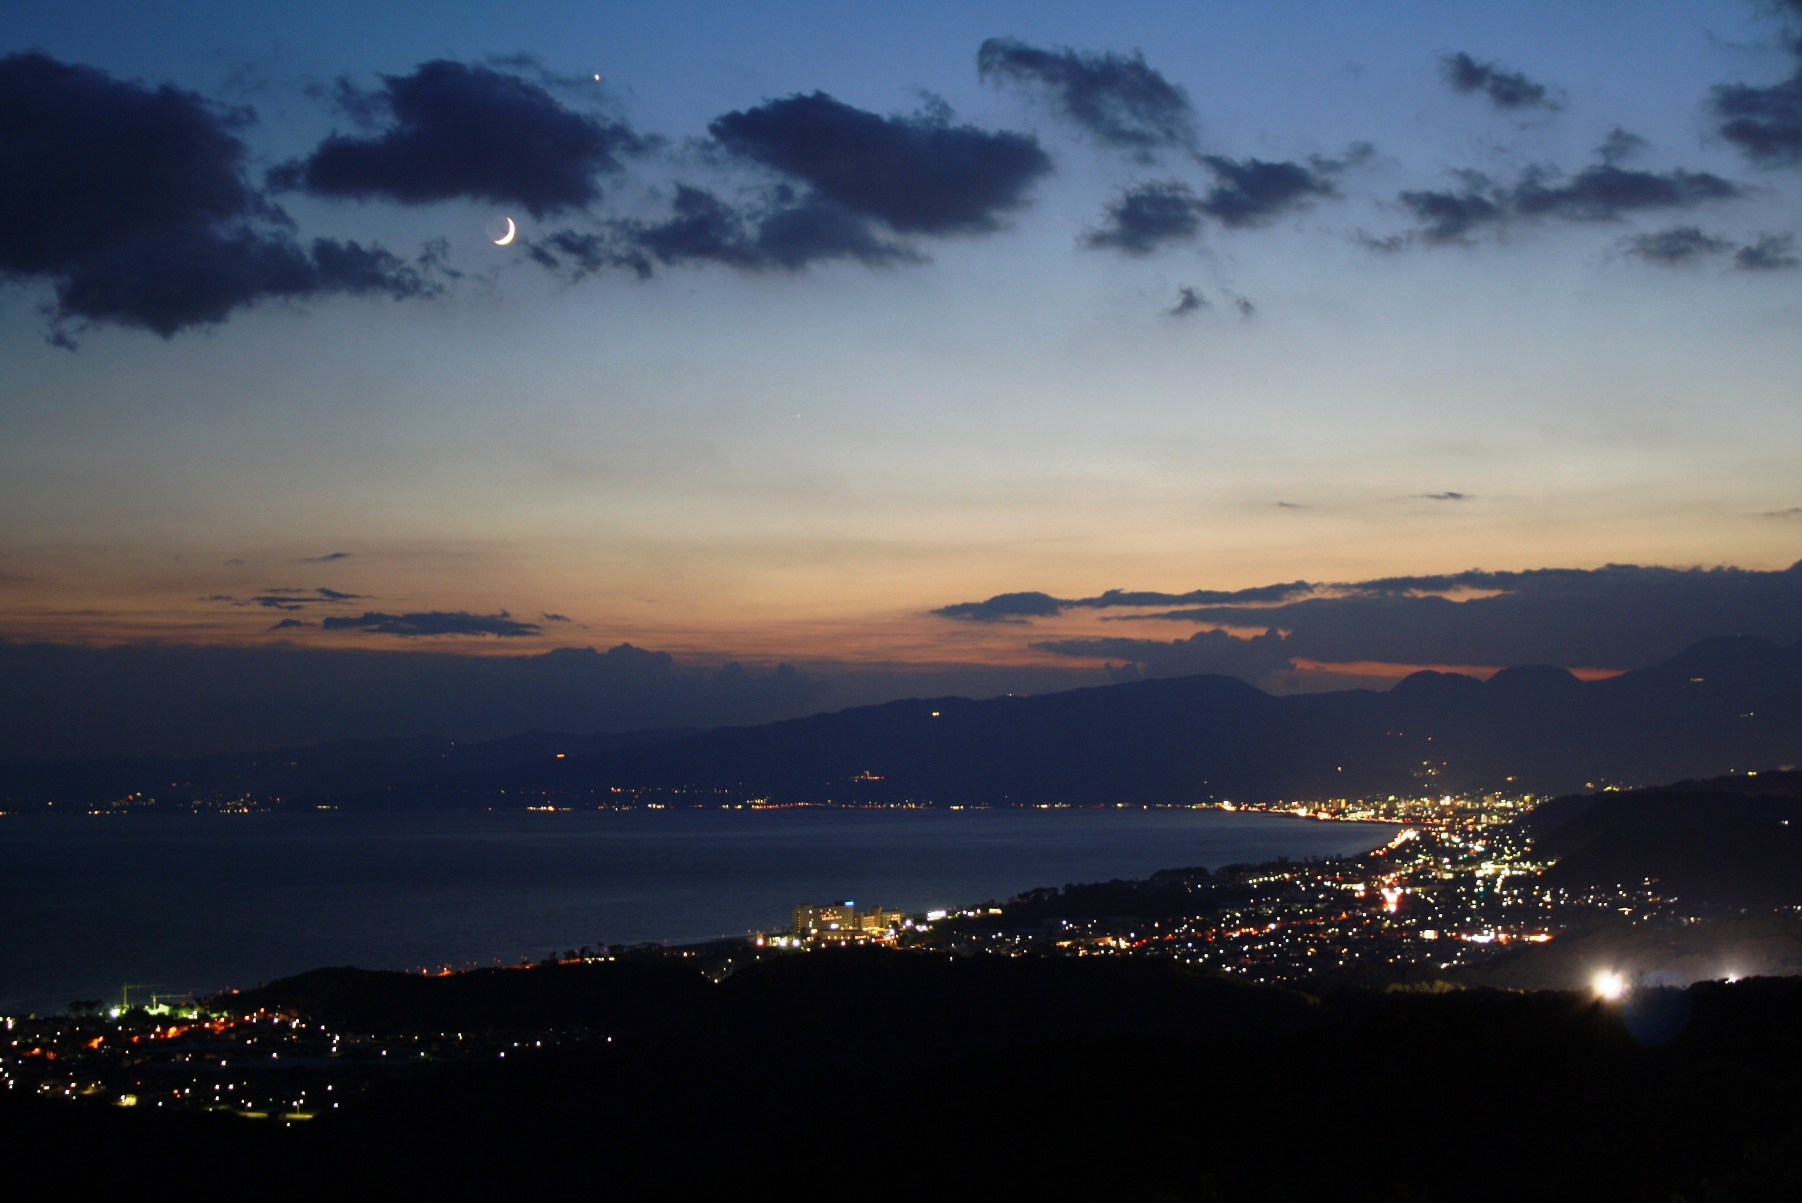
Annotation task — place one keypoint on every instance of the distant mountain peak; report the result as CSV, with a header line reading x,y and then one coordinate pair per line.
x,y
1533,677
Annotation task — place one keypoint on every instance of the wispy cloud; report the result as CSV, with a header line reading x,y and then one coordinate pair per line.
x,y
1188,300
434,623
1507,90
1601,193
288,597
1117,100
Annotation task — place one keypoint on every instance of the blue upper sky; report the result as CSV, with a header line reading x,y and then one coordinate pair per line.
x,y
823,316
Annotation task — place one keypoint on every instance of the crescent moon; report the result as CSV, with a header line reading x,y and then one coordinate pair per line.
x,y
507,240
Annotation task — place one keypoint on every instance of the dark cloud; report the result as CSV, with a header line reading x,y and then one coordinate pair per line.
x,y
1188,300
917,174
1244,306
1450,216
1148,217
287,623
1764,122
299,601
702,228
1005,607
1688,244
1679,244
1789,513
196,276
1249,192
462,130
575,254
1117,100
1621,616
1606,192
1510,90
1257,595
89,156
1619,146
434,622
1771,252
289,598
1600,193
327,558
1204,652
853,180
554,618
1447,496
789,234
1386,245
794,236
1246,192
133,203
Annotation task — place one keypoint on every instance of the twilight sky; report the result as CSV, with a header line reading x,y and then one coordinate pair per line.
x,y
822,317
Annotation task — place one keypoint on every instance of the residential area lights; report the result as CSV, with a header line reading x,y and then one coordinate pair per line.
x,y
1455,887
261,1066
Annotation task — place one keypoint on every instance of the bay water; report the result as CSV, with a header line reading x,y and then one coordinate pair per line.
x,y
201,902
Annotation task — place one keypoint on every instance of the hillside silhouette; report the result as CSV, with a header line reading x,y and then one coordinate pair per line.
x,y
1732,842
1722,704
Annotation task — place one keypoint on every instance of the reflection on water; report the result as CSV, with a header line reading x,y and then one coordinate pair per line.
x,y
207,901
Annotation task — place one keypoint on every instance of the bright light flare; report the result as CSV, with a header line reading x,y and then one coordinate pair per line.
x,y
1610,985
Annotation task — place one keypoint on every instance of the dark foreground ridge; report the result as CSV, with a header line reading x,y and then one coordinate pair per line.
x,y
868,1074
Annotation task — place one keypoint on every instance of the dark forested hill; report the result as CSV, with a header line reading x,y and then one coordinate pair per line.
x,y
1728,842
1723,704
879,1076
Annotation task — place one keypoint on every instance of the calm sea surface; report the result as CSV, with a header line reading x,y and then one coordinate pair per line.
x,y
201,902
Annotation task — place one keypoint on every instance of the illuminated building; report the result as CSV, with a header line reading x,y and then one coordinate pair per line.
x,y
844,921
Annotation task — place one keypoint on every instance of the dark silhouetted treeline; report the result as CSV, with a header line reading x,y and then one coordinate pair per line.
x,y
871,1075
1728,842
